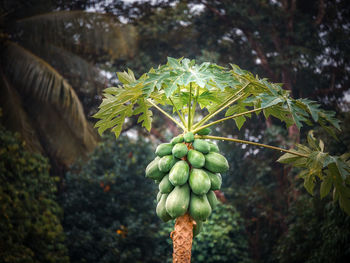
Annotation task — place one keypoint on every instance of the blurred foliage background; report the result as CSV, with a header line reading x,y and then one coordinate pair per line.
x,y
69,196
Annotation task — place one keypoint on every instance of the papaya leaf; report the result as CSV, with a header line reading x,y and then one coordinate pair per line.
x,y
146,114
326,185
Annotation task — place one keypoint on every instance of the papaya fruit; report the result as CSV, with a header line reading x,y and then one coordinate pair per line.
x,y
153,172
213,147
159,195
161,211
179,150
178,174
200,208
196,158
165,186
216,163
205,131
178,201
199,181
164,149
197,228
213,201
215,180
189,137
177,139
201,146
165,163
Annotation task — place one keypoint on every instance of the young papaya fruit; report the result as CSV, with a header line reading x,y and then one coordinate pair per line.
x,y
197,228
164,149
213,147
159,195
178,200
216,163
189,137
161,211
201,146
165,186
166,162
195,158
199,181
205,131
153,172
179,150
215,180
177,139
178,174
200,208
213,201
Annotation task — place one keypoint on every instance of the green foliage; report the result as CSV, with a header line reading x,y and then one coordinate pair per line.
x,y
182,84
317,232
30,228
334,171
109,206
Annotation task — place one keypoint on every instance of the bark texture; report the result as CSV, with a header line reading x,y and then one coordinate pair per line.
x,y
182,239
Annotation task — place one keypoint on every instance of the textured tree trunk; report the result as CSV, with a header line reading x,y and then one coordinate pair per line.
x,y
182,239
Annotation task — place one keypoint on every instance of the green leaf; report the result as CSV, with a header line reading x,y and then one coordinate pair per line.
x,y
326,186
309,183
126,77
146,114
240,120
312,106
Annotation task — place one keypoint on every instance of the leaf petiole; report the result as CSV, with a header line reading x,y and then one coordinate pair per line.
x,y
251,143
167,115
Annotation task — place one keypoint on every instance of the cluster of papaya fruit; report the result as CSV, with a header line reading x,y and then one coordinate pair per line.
x,y
188,172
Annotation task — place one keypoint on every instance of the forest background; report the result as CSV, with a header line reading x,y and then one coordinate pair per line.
x,y
67,195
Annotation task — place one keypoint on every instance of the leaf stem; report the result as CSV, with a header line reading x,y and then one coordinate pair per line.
x,y
189,109
227,118
195,104
178,113
251,143
166,114
222,106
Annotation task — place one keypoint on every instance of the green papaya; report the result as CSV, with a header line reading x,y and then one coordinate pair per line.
x,y
178,175
205,131
161,211
179,150
201,145
164,149
153,172
213,201
195,158
178,200
200,208
213,147
177,139
197,228
159,195
165,186
216,163
215,180
199,181
189,137
166,162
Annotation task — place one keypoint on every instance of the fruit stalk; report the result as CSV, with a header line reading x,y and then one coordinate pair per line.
x,y
182,239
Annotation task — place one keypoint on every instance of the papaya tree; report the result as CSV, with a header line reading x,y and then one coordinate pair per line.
x,y
188,168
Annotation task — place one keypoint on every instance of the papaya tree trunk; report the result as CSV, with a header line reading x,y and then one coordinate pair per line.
x,y
182,239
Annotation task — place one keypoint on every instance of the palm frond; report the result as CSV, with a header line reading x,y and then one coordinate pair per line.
x,y
83,76
15,117
40,85
92,34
